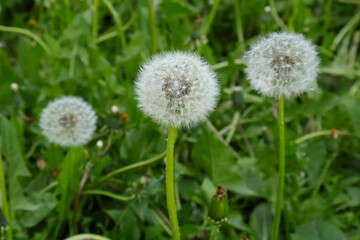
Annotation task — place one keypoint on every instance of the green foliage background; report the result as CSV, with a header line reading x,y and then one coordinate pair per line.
x,y
235,148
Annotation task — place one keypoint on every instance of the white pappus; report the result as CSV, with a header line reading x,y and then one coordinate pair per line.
x,y
177,89
68,121
282,63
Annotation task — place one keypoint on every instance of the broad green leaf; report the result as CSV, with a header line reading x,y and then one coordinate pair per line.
x,y
17,168
216,159
261,221
318,230
353,109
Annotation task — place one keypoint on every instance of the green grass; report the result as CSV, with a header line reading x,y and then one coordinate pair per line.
x,y
76,48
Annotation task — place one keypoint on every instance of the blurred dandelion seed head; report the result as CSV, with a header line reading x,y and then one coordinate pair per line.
x,y
14,87
176,88
68,121
282,63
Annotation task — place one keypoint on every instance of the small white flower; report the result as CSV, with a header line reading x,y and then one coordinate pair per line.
x,y
99,143
114,109
68,121
282,63
176,88
14,87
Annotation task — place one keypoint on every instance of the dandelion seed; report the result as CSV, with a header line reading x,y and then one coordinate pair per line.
x,y
68,121
176,88
282,63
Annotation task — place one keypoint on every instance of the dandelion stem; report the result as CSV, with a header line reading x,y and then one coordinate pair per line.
x,y
281,180
152,25
95,20
4,202
170,196
239,29
214,232
208,24
276,17
117,20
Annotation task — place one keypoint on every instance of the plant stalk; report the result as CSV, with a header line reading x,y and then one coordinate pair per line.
x,y
170,195
214,232
152,25
4,202
281,180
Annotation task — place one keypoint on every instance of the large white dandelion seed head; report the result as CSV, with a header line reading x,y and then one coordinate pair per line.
x,y
177,89
282,63
68,121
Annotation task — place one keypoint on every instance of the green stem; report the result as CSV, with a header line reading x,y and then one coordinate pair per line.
x,y
170,196
117,20
4,202
27,33
321,133
208,24
132,166
214,232
275,15
239,29
281,182
321,180
152,25
95,20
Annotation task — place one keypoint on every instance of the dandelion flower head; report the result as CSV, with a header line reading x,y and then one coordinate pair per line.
x,y
177,89
68,121
282,63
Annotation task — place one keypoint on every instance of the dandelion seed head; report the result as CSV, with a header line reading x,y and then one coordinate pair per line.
x,y
114,109
176,88
14,87
99,144
68,121
282,63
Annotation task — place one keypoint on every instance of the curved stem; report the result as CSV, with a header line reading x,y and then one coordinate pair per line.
x,y
322,133
5,205
27,33
132,166
170,196
214,232
281,180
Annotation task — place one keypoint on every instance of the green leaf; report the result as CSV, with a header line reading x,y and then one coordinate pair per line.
x,y
318,230
216,159
261,220
353,109
17,168
36,209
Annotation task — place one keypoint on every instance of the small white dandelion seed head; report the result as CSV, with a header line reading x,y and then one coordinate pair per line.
x,y
68,121
114,109
99,143
14,87
282,63
176,88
